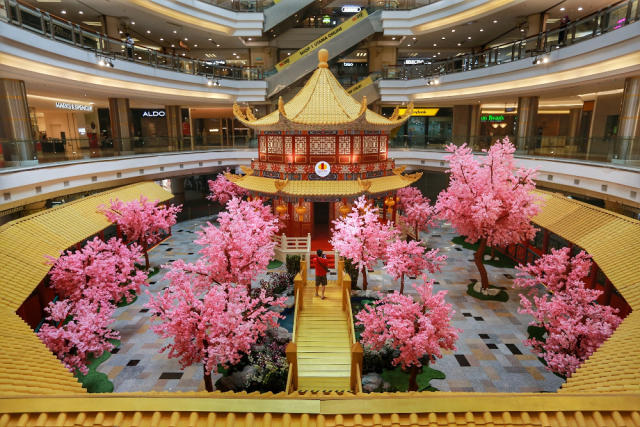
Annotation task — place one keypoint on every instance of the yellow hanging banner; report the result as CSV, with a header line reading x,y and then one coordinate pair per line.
x,y
360,85
419,111
322,40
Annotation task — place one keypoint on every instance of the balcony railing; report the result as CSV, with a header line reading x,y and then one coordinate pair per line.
x,y
108,49
536,47
612,151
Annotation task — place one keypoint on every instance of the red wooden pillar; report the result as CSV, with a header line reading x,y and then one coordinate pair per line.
x,y
118,232
545,242
590,281
101,234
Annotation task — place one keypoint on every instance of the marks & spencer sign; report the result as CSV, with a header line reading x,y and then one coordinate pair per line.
x,y
74,107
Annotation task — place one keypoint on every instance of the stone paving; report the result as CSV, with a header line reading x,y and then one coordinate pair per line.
x,y
490,355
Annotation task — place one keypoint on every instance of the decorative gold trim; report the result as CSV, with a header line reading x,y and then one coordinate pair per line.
x,y
365,185
399,170
280,184
246,169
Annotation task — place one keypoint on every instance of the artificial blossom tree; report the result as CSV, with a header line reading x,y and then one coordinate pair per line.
x,y
79,329
223,190
574,323
411,259
361,237
141,221
417,209
98,271
488,200
416,329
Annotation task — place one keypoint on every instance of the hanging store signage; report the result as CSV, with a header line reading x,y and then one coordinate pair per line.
x,y
74,107
154,113
322,40
347,64
413,61
349,8
323,169
360,85
492,119
419,111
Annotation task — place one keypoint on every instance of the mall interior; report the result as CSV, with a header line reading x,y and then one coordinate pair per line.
x,y
116,98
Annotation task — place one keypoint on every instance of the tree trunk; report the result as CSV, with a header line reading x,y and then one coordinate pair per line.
x,y
493,253
364,278
413,378
401,284
146,253
479,260
208,382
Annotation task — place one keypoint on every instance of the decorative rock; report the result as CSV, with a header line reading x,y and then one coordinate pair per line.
x,y
386,386
487,257
282,335
491,291
289,302
371,382
236,381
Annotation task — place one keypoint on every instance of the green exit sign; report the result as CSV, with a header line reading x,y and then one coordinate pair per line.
x,y
490,118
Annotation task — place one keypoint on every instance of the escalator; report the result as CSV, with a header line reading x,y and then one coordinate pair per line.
x,y
281,11
336,41
366,87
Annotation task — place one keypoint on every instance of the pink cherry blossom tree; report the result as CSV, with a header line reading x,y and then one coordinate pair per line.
x,y
100,271
142,221
417,209
213,326
239,248
361,237
223,190
86,333
417,329
575,324
411,259
408,195
488,200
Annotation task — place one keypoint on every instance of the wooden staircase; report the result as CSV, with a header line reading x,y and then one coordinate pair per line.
x,y
324,347
323,355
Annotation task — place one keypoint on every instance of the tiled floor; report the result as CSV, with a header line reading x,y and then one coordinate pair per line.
x,y
490,356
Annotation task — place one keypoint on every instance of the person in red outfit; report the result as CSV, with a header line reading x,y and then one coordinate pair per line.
x,y
322,266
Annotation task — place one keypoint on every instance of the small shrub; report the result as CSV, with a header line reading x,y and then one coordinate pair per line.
x,y
276,283
293,265
271,367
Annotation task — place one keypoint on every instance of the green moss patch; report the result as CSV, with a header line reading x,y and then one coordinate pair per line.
x,y
502,296
274,263
501,261
94,381
399,379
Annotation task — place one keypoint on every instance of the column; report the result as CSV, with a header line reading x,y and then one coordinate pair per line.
x,y
474,125
629,125
174,126
177,188
460,130
537,24
574,124
120,116
527,115
15,127
111,27
381,56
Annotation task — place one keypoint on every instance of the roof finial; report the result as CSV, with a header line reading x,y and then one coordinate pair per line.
x,y
323,57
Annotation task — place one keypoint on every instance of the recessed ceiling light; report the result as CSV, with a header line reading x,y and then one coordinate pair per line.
x,y
438,53
249,39
80,12
453,30
443,38
186,39
234,53
393,38
133,22
468,37
495,21
64,12
120,32
459,44
217,45
161,39
522,30
173,45
175,31
148,31
210,39
562,9
481,29
195,45
435,44
288,53
580,9
408,45
414,38
184,54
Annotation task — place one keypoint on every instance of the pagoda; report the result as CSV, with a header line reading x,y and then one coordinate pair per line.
x,y
320,151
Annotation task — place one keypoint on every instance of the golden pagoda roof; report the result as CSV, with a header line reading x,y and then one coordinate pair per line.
x,y
322,104
306,188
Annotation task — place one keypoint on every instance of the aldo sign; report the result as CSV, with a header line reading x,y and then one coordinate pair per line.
x,y
154,113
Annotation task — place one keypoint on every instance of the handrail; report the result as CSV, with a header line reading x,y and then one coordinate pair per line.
x,y
105,47
593,25
292,349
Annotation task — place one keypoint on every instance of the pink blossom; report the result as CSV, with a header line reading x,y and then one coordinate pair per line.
x,y
361,237
100,271
214,327
411,259
488,200
85,334
576,325
223,190
417,209
415,328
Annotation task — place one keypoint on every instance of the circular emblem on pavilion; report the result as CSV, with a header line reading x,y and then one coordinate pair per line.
x,y
323,169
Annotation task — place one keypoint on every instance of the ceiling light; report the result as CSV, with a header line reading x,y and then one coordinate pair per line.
x,y
175,31
234,53
64,12
161,39
195,45
133,22
444,38
562,9
580,9
522,30
414,38
184,54
173,45
148,31
249,39
435,44
459,44
495,21
217,45
120,32
468,37
80,12
393,38
408,45
186,39
210,39
481,29
453,30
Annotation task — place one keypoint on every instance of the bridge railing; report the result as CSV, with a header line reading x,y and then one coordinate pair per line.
x,y
344,282
292,246
299,282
